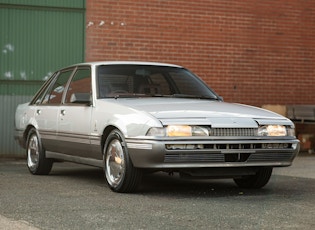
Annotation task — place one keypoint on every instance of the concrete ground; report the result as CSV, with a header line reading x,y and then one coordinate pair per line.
x,y
301,172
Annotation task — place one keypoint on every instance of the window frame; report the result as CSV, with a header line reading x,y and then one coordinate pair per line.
x,y
47,88
169,73
84,67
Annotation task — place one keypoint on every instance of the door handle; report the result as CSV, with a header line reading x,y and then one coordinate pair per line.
x,y
38,112
63,112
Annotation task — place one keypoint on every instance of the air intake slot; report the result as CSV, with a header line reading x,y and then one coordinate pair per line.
x,y
236,157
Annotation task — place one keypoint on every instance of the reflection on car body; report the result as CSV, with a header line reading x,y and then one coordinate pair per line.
x,y
130,118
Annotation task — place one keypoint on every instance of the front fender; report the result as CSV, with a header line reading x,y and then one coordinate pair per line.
x,y
130,122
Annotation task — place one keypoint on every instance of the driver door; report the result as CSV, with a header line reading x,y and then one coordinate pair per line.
x,y
74,124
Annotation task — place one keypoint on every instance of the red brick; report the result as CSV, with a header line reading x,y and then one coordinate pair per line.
x,y
249,51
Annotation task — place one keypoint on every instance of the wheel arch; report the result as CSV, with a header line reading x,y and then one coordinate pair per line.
x,y
26,132
127,178
105,134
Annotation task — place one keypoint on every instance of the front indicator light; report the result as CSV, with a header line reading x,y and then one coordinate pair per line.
x,y
290,131
200,131
156,132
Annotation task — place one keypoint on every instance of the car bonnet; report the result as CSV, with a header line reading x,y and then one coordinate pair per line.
x,y
200,111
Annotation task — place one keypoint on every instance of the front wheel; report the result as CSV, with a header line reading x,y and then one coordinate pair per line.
x,y
259,180
37,163
120,174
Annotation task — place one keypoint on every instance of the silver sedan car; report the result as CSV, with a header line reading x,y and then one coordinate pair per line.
x,y
131,118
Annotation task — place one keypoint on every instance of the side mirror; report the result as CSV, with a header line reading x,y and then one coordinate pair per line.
x,y
81,98
220,98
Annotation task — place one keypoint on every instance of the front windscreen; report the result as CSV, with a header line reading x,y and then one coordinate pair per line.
x,y
150,81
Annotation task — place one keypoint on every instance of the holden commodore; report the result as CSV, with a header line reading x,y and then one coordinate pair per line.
x,y
131,118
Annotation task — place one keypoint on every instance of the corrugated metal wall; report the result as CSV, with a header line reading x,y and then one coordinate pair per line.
x,y
8,147
37,37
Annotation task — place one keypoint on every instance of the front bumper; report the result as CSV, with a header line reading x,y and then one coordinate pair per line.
x,y
180,153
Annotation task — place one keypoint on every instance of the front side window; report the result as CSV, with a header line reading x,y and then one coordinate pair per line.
x,y
80,87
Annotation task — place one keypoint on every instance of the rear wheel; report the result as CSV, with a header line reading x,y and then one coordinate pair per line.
x,y
120,174
37,163
259,180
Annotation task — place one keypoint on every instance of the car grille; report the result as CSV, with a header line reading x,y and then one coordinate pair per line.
x,y
219,153
236,132
221,158
262,157
183,158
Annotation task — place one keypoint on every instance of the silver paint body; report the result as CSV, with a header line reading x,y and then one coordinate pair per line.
x,y
74,133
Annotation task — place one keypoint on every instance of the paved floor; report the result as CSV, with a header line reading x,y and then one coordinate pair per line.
x,y
76,197
303,166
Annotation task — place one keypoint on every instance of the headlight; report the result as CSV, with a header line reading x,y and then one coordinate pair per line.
x,y
179,131
272,130
156,132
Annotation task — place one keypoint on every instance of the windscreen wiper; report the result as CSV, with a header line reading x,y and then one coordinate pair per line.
x,y
195,96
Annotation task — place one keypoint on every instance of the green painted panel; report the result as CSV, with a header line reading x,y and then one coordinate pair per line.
x,y
8,146
36,42
47,3
8,87
37,37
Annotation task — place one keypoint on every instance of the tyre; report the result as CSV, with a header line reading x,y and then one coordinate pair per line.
x,y
259,180
37,163
120,174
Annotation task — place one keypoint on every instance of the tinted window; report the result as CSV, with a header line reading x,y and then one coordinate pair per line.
x,y
54,94
188,84
80,87
43,90
133,80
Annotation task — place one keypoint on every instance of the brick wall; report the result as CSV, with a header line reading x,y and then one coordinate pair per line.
x,y
249,51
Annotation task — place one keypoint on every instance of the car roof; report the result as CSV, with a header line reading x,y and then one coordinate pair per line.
x,y
126,63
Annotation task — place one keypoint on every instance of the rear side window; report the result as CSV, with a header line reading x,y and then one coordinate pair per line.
x,y
43,90
55,92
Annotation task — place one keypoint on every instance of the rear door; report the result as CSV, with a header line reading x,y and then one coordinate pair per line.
x,y
47,109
